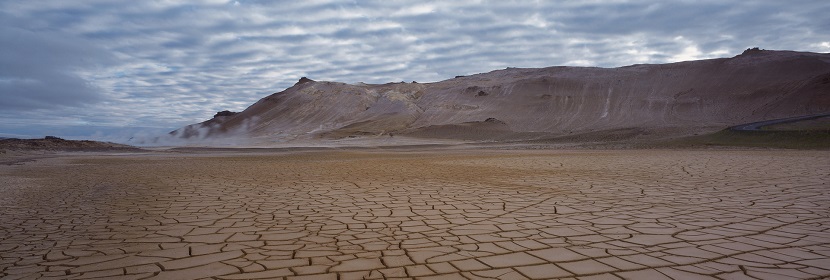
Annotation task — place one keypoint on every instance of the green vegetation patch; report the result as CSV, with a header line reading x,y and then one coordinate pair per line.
x,y
813,124
786,139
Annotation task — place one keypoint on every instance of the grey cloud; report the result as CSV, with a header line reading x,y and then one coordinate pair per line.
x,y
41,70
168,64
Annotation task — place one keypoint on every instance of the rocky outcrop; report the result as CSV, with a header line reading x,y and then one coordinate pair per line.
x,y
225,113
494,120
303,80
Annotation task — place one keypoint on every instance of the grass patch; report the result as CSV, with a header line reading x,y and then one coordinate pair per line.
x,y
813,124
785,139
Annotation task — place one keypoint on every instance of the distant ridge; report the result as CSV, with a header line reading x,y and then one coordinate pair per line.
x,y
52,143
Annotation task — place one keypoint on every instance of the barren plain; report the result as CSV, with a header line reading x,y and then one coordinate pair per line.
x,y
440,214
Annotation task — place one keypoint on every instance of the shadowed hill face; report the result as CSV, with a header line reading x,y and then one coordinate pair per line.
x,y
669,99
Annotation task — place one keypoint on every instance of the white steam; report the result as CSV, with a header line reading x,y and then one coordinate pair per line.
x,y
199,135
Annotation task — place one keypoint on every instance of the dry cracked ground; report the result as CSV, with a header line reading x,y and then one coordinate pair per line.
x,y
424,215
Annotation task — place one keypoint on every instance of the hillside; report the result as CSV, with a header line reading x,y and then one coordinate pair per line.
x,y
651,101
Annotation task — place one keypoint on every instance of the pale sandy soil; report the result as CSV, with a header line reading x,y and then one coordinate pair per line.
x,y
451,214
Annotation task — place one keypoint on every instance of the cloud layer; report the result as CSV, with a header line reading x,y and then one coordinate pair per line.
x,y
164,64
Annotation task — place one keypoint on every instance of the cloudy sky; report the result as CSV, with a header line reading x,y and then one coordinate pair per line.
x,y
106,69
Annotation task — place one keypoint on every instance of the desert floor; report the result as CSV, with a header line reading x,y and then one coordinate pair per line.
x,y
450,214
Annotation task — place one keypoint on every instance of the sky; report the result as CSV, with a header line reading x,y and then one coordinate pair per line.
x,y
112,69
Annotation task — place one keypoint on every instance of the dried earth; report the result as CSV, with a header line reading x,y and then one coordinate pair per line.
x,y
451,214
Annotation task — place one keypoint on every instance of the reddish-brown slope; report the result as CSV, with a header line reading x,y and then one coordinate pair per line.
x,y
667,99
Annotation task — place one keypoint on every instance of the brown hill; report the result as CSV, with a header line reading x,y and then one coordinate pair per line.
x,y
584,103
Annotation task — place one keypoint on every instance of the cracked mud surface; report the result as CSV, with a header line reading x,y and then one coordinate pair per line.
x,y
425,215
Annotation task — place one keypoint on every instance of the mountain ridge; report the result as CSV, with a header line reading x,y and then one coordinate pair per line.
x,y
654,100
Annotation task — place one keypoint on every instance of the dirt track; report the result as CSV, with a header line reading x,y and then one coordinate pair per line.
x,y
448,215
